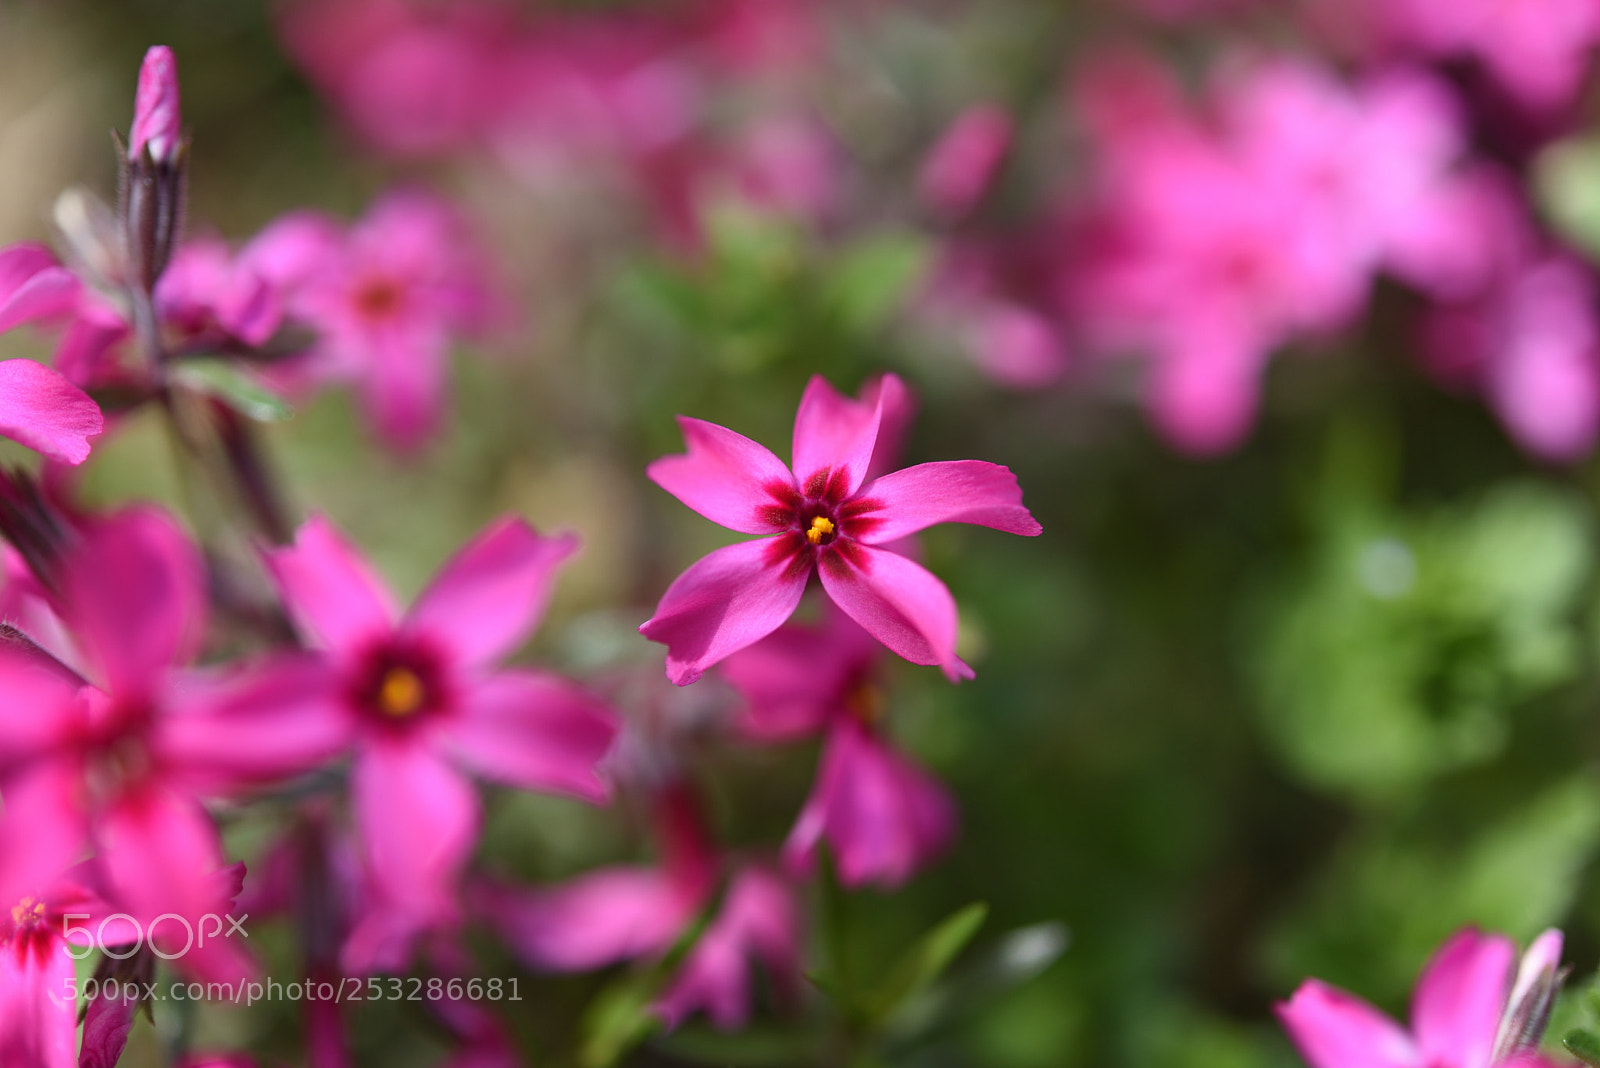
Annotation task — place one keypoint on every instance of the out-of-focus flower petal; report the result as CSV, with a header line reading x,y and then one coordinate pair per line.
x,y
493,592
136,565
535,731
597,919
1335,1030
156,116
1456,1008
727,478
38,1025
418,819
329,588
725,601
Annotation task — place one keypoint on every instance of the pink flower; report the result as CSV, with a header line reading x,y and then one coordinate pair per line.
x,y
121,765
963,163
417,695
1459,1013
757,922
819,517
882,816
156,120
387,298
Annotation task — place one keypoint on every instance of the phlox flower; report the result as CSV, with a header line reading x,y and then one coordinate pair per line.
x,y
418,699
821,516
628,912
386,297
1466,1011
39,407
882,816
121,764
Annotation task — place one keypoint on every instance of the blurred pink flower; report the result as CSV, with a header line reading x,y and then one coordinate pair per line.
x,y
1458,1011
820,518
386,297
882,816
962,164
417,697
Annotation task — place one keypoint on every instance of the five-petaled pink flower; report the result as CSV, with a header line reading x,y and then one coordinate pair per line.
x,y
417,696
819,517
1466,1012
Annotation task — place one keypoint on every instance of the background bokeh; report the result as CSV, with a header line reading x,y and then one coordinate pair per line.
x,y
1300,705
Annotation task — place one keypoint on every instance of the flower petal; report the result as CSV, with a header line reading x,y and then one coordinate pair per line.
x,y
727,600
492,594
953,491
403,383
136,565
834,438
38,1025
33,286
883,816
418,820
45,412
279,719
329,589
160,853
1456,1008
535,731
898,602
796,677
727,478
1335,1030
42,827
597,919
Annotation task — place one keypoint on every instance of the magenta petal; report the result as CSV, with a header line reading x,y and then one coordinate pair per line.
x,y
282,718
725,601
1456,1008
796,677
1335,1030
38,708
45,412
418,820
329,589
897,602
155,107
833,432
883,816
727,478
160,852
42,827
38,1024
47,291
954,491
106,1023
136,565
491,595
403,385
597,919
536,731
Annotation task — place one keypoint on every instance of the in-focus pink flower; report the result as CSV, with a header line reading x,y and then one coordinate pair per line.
x,y
157,123
419,698
1462,1005
821,516
882,816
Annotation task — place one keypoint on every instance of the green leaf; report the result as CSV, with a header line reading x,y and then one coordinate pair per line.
x,y
753,1046
929,958
619,1019
1583,1045
235,387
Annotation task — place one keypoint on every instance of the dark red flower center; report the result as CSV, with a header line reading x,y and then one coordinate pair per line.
x,y
398,681
378,298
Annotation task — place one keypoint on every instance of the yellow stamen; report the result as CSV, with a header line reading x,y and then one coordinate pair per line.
x,y
401,693
29,908
821,526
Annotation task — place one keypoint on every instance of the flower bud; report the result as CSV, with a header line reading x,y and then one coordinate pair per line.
x,y
155,108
